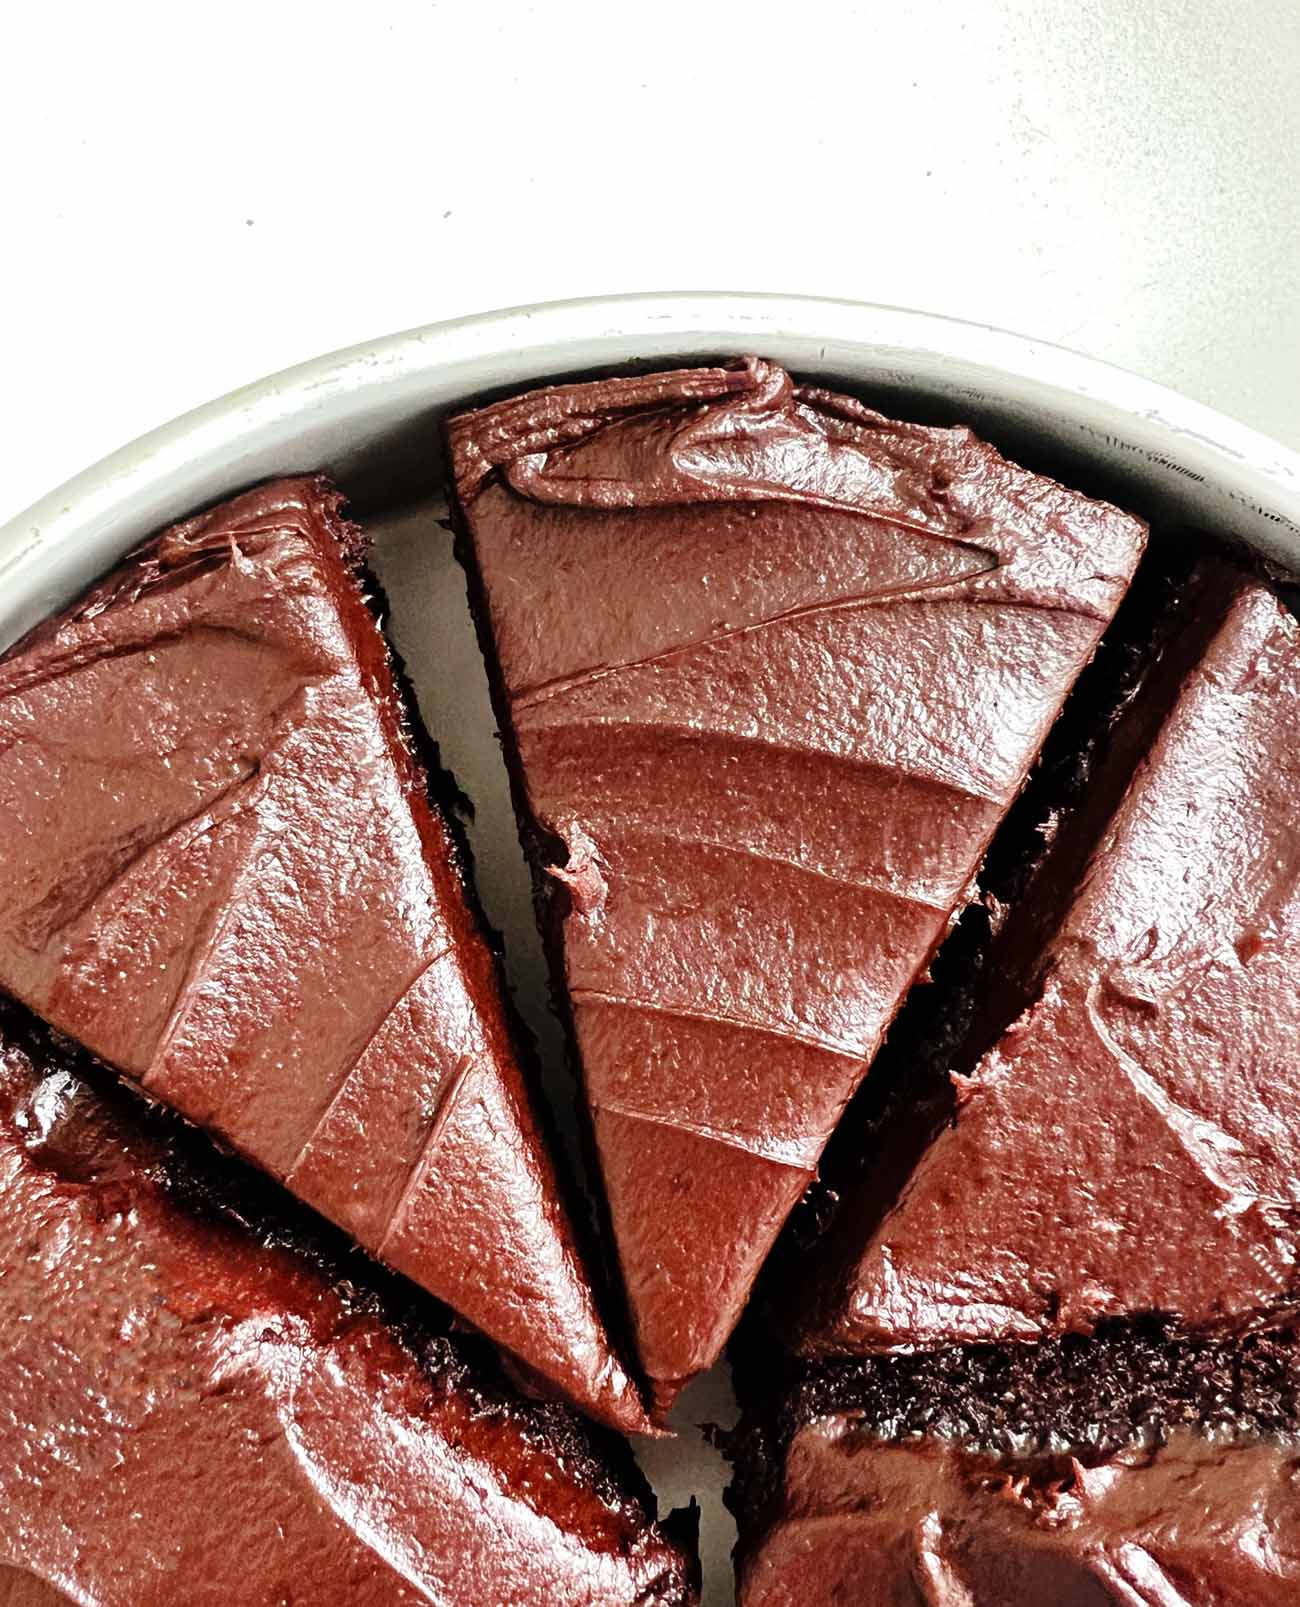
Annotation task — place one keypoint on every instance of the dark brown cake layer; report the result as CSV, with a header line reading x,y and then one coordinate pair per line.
x,y
1124,1469
1131,1140
772,668
220,870
193,1408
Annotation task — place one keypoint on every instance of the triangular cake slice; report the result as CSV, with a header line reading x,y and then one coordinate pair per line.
x,y
221,872
771,669
1126,1135
1127,1469
199,1403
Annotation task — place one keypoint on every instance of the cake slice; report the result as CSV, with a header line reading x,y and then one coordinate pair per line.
x,y
1126,1132
771,669
197,1406
1127,1469
221,872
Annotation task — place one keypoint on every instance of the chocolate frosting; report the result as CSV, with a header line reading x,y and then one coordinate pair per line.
x,y
1131,1141
191,1411
772,668
1192,1522
223,875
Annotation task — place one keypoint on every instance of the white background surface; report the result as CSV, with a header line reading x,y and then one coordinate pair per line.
x,y
195,196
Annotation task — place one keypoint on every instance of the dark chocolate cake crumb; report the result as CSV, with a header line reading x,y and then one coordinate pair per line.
x,y
1132,1383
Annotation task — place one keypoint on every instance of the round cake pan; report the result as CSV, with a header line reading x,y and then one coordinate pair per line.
x,y
369,417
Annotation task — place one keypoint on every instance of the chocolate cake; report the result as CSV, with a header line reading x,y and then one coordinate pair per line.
x,y
1121,1469
197,1405
1126,1130
223,874
771,669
